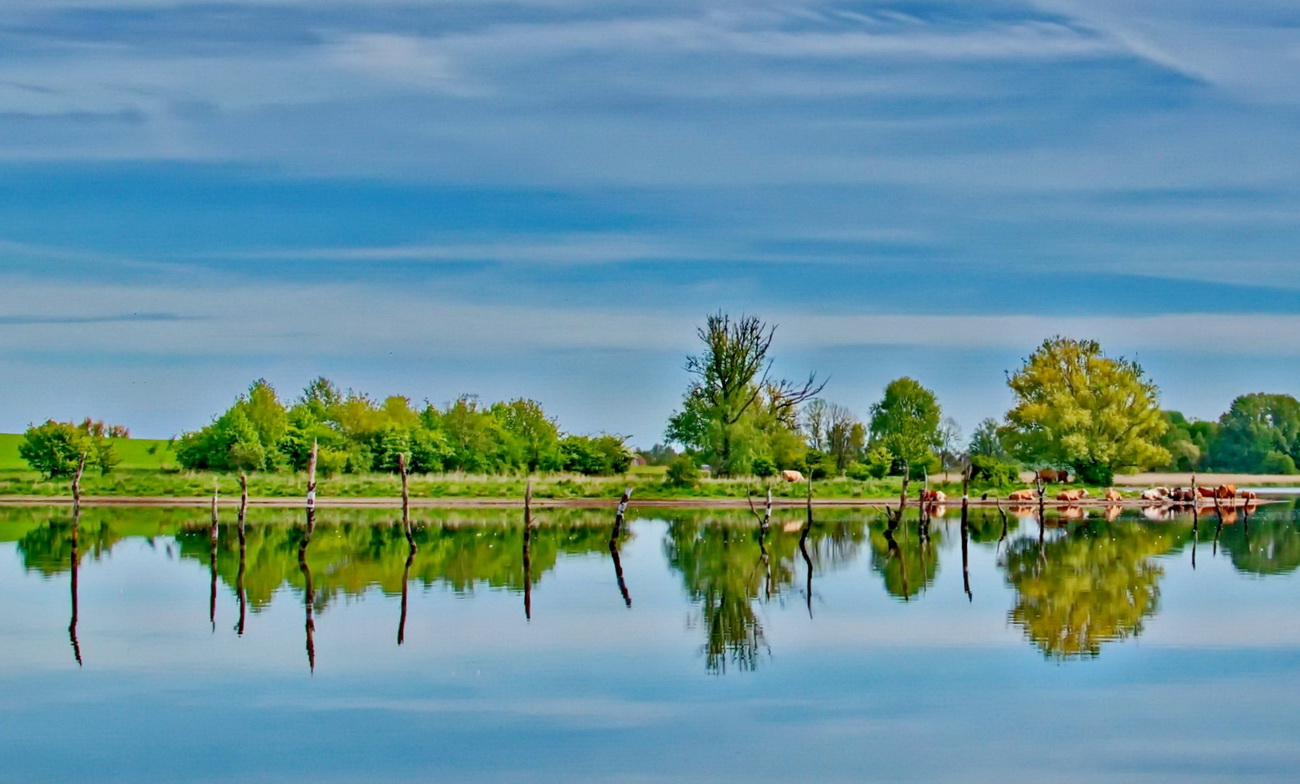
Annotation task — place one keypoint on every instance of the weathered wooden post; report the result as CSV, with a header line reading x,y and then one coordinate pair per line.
x,y
406,502
1196,519
76,484
613,545
965,533
311,489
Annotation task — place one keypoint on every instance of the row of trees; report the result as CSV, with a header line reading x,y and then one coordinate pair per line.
x,y
356,433
1074,408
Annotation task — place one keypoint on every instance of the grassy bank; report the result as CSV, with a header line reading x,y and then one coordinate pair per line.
x,y
134,454
173,484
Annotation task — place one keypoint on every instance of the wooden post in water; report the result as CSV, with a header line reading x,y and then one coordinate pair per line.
x,y
243,501
613,546
406,502
76,484
311,490
965,533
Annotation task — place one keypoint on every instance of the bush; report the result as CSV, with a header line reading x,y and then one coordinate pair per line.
x,y
1277,463
991,472
763,467
878,462
682,472
1095,474
55,448
859,472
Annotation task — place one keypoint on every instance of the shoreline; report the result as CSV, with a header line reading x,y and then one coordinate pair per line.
x,y
588,503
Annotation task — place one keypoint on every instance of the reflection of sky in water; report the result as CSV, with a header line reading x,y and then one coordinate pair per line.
x,y
870,686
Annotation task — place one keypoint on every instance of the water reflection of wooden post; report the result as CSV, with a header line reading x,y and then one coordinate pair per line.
x,y
1002,512
807,557
613,545
212,564
1218,529
406,577
240,593
1196,519
965,534
308,596
528,560
76,565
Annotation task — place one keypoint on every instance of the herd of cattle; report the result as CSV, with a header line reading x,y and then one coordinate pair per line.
x,y
1155,496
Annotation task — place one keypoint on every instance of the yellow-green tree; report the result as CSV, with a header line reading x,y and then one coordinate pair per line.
x,y
1077,408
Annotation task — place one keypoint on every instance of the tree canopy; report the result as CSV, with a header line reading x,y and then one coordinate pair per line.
x,y
905,423
1259,433
1076,408
734,411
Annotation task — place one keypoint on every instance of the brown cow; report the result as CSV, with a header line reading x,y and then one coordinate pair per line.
x,y
1206,492
1248,495
1181,495
1022,495
1051,475
1113,496
1072,495
1225,491
932,496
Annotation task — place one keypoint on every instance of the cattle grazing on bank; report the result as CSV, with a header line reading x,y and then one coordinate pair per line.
x,y
1113,496
1022,495
1053,476
1248,495
1072,495
792,476
1225,491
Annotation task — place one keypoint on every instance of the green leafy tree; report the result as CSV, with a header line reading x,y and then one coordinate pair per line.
x,y
905,423
55,448
1257,433
536,434
1077,408
987,442
722,412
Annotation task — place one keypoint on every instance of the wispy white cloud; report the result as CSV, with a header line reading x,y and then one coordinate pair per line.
x,y
231,318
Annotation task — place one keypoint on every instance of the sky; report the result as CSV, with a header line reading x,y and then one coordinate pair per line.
x,y
544,199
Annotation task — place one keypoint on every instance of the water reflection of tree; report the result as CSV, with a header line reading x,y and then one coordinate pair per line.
x,y
727,568
1093,585
906,557
1265,544
48,548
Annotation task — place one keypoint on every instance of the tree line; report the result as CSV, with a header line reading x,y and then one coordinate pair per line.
x,y
1073,408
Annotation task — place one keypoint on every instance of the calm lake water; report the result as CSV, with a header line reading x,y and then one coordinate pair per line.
x,y
138,648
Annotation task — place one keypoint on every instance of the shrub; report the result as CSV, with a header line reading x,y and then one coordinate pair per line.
x,y
55,448
1277,463
682,472
991,472
763,467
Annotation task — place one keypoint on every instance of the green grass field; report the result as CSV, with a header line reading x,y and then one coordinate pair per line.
x,y
135,453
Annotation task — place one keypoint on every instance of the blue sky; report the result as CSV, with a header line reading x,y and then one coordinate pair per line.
x,y
543,199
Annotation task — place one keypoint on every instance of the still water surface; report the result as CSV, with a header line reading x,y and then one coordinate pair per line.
x,y
136,647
